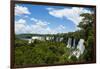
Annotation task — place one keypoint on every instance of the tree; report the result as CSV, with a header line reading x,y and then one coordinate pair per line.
x,y
87,24
87,28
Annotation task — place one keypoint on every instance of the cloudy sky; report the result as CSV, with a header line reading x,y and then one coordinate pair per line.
x,y
41,19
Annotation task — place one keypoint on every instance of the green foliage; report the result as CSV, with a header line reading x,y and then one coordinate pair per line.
x,y
89,48
73,58
19,42
41,53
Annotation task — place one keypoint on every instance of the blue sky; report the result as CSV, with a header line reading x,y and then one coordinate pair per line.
x,y
47,19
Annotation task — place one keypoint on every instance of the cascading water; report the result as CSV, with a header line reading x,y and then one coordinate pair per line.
x,y
69,42
81,46
79,49
74,43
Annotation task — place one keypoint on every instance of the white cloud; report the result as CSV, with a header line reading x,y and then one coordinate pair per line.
x,y
26,16
20,25
50,8
62,27
72,14
22,21
19,10
41,23
34,19
39,27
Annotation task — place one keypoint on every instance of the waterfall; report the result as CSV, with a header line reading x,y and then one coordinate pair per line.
x,y
79,49
69,42
61,39
29,41
81,46
74,43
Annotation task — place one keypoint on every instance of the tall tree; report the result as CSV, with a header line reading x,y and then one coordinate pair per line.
x,y
87,28
87,24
